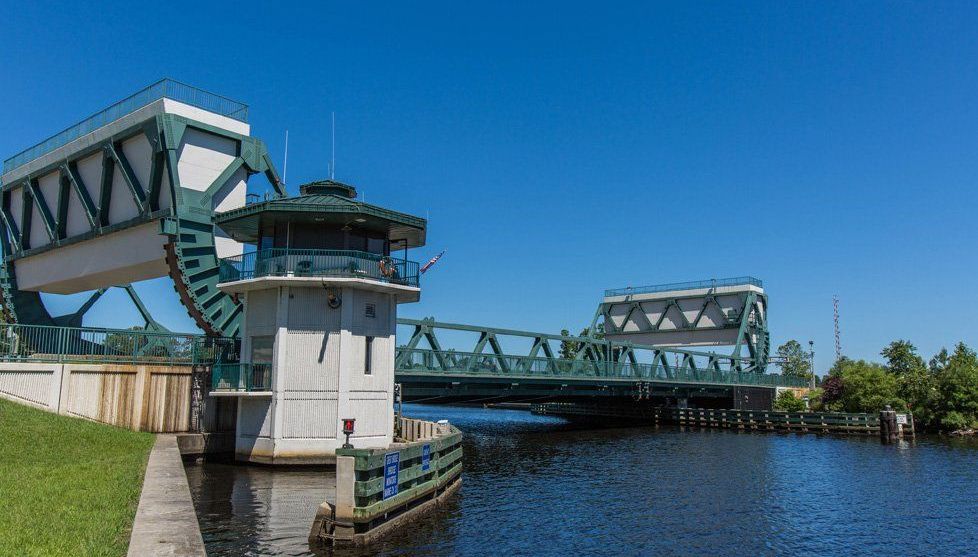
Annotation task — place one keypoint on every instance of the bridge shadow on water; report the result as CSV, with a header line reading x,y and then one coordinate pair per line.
x,y
539,485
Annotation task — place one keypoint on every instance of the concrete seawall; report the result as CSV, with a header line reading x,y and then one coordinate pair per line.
x,y
141,397
166,523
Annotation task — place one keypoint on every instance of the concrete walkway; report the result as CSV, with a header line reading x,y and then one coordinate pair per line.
x,y
166,523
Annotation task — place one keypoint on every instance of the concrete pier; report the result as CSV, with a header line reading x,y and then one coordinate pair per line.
x,y
166,523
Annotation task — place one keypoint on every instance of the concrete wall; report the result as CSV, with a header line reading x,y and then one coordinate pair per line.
x,y
318,374
126,256
139,397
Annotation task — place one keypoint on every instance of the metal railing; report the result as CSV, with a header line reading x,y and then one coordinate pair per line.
x,y
247,377
713,283
164,88
451,362
40,343
289,262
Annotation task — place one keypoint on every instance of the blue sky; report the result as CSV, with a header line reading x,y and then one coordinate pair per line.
x,y
559,149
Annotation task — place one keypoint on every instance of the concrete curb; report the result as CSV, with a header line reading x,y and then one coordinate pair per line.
x,y
166,523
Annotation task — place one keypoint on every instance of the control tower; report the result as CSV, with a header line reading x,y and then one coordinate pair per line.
x,y
320,281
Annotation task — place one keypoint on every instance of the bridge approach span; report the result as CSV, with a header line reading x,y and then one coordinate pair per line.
x,y
562,367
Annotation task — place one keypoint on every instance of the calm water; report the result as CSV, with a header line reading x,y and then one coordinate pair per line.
x,y
538,486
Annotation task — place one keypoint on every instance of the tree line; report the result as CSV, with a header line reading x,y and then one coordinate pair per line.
x,y
942,393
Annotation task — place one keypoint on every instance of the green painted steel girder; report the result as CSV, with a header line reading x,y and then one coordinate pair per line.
x,y
190,250
750,321
594,362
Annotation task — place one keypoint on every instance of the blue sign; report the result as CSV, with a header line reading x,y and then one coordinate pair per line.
x,y
425,458
392,465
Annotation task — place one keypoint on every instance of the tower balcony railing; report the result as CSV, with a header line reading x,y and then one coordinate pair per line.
x,y
241,377
290,262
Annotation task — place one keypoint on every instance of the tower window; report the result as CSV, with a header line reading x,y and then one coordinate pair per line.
x,y
368,356
371,310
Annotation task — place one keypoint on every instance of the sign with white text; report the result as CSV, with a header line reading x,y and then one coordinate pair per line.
x,y
392,465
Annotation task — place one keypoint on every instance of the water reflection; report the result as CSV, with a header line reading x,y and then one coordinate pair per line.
x,y
538,485
256,510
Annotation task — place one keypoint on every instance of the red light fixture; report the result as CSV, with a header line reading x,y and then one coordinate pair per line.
x,y
348,430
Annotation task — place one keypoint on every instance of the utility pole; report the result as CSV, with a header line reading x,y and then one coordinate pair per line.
x,y
811,361
838,340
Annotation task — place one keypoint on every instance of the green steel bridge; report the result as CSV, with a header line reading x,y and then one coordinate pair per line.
x,y
121,173
555,367
566,367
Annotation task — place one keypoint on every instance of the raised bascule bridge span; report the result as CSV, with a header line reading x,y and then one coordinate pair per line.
x,y
126,195
157,185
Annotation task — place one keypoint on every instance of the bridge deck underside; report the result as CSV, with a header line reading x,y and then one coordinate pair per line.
x,y
466,386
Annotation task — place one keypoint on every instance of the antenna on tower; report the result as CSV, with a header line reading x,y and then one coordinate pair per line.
x,y
285,165
838,338
332,154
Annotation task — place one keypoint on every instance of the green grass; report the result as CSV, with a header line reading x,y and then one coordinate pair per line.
x,y
67,486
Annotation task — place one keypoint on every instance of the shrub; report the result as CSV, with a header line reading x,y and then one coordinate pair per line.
x,y
788,402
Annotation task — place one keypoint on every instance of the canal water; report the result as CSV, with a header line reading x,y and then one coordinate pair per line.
x,y
536,485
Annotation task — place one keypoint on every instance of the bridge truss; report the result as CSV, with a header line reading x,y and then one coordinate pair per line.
x,y
77,201
559,364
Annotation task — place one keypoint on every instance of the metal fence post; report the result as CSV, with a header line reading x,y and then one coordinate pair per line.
x,y
62,344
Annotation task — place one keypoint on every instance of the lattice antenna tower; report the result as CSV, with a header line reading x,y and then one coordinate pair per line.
x,y
838,338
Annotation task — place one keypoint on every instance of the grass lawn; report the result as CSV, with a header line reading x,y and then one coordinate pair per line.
x,y
67,486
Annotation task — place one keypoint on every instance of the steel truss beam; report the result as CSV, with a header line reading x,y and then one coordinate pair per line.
x,y
591,358
750,320
190,253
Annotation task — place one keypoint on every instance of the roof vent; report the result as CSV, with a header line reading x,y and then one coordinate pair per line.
x,y
328,187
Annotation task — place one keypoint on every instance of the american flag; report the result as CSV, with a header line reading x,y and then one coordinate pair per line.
x,y
432,261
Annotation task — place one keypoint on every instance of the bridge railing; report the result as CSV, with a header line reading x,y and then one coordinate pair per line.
x,y
470,363
713,283
164,88
241,377
282,262
40,343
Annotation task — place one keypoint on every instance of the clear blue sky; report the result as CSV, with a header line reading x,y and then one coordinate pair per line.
x,y
559,149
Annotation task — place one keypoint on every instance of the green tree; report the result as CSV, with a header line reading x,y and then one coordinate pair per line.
x,y
568,348
815,399
788,402
794,361
939,361
124,343
902,358
957,385
916,383
866,387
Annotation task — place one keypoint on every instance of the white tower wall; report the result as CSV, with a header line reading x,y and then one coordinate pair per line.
x,y
319,374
